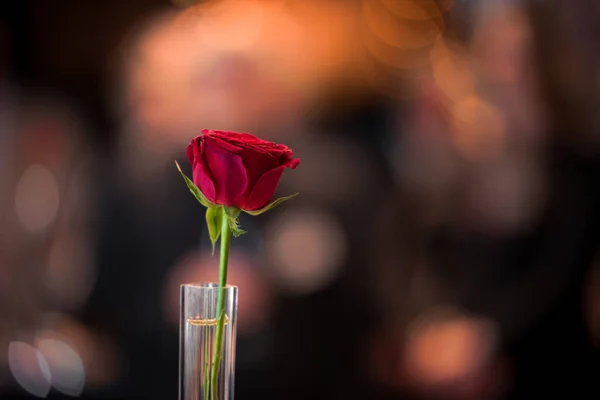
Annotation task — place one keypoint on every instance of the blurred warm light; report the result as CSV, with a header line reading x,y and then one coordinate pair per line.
x,y
503,59
451,70
306,249
160,77
397,36
236,64
447,354
417,10
394,57
501,42
404,34
253,296
69,276
29,368
307,45
446,346
37,198
478,129
231,25
66,367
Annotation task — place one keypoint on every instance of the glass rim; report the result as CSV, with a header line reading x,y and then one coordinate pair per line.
x,y
205,285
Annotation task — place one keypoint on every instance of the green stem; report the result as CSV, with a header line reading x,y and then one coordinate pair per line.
x,y
224,258
206,383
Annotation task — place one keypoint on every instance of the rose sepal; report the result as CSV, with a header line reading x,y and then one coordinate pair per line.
x,y
270,206
195,190
232,214
214,216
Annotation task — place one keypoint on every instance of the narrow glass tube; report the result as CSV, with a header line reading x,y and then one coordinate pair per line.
x,y
197,328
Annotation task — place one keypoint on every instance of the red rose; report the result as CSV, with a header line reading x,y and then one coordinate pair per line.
x,y
238,169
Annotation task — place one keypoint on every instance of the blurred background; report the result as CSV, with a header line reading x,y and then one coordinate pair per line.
x,y
446,241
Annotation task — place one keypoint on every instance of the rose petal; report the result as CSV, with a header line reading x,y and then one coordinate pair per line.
x,y
264,189
228,172
230,147
189,152
238,137
244,140
193,149
256,165
201,175
203,179
292,163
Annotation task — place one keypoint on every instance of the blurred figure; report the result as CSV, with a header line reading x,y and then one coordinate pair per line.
x,y
498,209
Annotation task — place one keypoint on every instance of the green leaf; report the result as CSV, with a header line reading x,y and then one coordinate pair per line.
x,y
195,190
213,220
233,221
272,205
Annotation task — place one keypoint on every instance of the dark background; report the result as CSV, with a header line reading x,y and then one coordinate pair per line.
x,y
445,242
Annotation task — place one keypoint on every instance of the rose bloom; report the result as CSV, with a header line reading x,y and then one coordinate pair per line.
x,y
238,169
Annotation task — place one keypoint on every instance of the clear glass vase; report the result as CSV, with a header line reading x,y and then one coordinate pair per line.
x,y
198,335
